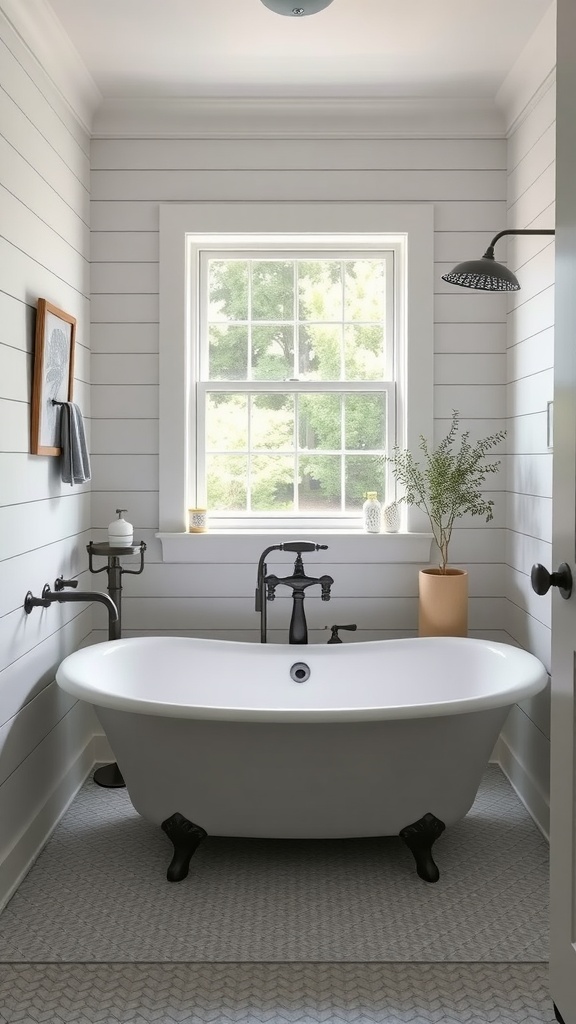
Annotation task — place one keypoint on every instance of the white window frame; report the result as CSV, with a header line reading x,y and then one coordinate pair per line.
x,y
186,228
198,257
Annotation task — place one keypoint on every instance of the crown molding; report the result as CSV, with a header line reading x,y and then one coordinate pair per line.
x,y
43,36
531,76
328,118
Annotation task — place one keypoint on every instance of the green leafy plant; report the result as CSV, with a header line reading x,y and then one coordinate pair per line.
x,y
447,482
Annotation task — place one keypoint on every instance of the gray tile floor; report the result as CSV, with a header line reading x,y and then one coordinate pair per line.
x,y
274,993
98,892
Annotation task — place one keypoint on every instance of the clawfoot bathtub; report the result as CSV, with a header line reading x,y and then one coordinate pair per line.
x,y
237,739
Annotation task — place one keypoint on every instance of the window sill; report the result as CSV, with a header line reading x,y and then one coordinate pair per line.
x,y
247,545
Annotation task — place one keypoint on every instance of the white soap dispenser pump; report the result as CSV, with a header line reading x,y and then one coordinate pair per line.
x,y
120,533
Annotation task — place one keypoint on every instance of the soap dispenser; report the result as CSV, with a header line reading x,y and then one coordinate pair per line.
x,y
120,533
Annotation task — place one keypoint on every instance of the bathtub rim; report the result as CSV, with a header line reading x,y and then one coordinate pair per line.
x,y
535,681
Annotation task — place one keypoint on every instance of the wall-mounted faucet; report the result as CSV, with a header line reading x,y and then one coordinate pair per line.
x,y
65,596
298,581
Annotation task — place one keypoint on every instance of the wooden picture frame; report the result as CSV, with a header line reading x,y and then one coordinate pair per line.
x,y
53,379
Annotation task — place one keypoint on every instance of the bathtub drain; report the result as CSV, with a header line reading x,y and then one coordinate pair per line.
x,y
300,672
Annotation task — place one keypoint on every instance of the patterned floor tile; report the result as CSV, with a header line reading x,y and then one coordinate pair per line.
x,y
274,993
98,892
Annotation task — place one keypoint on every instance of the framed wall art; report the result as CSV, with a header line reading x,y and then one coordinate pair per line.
x,y
53,378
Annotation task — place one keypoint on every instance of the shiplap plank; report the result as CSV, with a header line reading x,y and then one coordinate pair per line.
x,y
26,230
530,514
534,163
17,322
142,506
26,84
129,472
218,580
139,437
522,551
470,337
134,309
529,632
463,305
126,338
298,185
531,474
531,355
120,246
124,369
534,199
28,676
537,274
15,373
530,394
30,478
534,315
26,280
27,527
470,369
526,135
528,434
292,154
124,277
70,182
26,183
117,401
15,420
471,400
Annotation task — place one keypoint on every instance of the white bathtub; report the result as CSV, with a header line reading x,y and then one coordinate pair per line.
x,y
380,735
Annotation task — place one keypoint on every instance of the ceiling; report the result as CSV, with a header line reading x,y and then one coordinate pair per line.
x,y
354,48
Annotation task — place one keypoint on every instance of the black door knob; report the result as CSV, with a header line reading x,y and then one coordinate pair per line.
x,y
542,580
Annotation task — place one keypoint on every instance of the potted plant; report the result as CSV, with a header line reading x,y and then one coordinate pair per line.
x,y
446,484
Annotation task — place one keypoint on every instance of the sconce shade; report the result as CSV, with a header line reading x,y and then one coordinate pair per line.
x,y
296,8
485,275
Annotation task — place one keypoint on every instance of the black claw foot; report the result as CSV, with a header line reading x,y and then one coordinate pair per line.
x,y
185,836
109,776
419,838
557,1014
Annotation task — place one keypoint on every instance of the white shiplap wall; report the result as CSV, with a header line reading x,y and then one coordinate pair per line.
x,y
464,178
525,742
45,736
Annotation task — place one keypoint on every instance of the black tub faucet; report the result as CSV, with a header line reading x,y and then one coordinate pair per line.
x,y
298,581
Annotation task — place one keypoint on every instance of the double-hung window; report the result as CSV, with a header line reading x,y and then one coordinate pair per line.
x,y
296,348
295,393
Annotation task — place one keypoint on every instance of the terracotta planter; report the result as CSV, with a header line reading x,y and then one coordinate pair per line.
x,y
443,602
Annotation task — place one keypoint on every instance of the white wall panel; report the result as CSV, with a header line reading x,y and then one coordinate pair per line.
x,y
530,360
44,252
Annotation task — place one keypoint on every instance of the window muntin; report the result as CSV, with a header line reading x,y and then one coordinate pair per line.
x,y
295,397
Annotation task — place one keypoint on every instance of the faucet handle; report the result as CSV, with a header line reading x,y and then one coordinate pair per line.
x,y
271,582
326,583
60,583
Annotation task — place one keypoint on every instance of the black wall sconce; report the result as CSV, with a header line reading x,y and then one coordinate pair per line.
x,y
486,275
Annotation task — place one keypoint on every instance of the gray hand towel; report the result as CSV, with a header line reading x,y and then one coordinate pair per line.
x,y
75,458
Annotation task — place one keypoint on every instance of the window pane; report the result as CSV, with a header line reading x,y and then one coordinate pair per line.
x,y
272,352
272,483
272,421
319,421
226,423
363,473
226,479
228,290
320,290
272,290
364,347
365,290
320,352
365,419
319,483
227,352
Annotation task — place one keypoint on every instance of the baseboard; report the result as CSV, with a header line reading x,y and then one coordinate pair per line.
x,y
525,786
33,839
